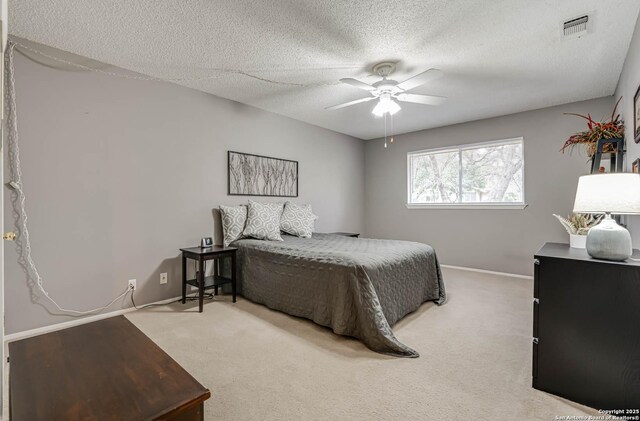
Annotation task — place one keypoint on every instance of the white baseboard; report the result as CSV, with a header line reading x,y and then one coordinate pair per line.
x,y
71,323
491,272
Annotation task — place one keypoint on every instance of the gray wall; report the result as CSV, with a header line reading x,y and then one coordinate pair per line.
x,y
627,86
498,240
121,173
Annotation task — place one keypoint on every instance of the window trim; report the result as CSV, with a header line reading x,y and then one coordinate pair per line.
x,y
467,205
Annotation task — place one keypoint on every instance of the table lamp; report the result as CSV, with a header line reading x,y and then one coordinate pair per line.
x,y
617,193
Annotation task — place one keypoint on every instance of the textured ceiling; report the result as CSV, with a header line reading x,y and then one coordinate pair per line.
x,y
498,56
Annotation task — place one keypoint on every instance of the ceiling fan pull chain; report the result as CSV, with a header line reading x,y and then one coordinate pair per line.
x,y
391,120
385,130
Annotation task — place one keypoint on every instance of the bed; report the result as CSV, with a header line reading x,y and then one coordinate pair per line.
x,y
356,286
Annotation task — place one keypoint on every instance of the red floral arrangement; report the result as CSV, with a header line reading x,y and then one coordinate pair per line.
x,y
614,128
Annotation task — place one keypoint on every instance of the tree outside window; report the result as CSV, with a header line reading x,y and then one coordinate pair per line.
x,y
472,174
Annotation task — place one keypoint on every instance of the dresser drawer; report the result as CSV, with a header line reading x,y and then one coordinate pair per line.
x,y
536,278
534,370
536,307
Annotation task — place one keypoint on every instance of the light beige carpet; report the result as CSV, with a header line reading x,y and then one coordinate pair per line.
x,y
260,364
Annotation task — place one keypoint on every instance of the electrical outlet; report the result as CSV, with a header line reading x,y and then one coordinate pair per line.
x,y
132,284
163,278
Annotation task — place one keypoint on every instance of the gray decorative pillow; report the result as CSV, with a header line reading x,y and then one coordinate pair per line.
x,y
297,220
263,221
234,219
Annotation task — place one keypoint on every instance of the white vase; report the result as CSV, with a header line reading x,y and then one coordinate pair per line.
x,y
578,241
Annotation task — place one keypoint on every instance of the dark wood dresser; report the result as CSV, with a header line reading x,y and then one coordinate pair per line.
x,y
106,370
586,328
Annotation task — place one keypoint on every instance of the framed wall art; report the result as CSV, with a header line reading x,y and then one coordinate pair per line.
x,y
257,175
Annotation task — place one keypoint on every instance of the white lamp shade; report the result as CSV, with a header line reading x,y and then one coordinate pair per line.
x,y
617,193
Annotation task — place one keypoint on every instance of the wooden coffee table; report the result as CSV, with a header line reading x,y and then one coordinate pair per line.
x,y
100,371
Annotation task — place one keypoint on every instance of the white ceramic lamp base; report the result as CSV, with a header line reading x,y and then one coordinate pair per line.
x,y
609,241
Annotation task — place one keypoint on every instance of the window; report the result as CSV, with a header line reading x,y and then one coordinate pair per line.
x,y
481,175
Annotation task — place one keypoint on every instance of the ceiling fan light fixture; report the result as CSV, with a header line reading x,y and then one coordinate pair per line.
x,y
386,105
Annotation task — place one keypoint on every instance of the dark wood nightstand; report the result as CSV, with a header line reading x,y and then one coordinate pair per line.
x,y
347,234
202,254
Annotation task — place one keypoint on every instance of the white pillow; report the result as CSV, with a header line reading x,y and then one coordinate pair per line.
x,y
297,220
234,219
263,221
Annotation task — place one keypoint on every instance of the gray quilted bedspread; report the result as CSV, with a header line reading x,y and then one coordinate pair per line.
x,y
356,286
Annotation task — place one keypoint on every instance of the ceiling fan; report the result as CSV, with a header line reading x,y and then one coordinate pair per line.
x,y
388,91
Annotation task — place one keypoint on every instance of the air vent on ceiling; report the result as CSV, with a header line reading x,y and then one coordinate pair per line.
x,y
576,27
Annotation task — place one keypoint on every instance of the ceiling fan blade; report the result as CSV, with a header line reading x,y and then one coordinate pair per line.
x,y
357,84
347,104
422,99
419,79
